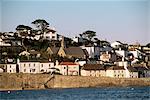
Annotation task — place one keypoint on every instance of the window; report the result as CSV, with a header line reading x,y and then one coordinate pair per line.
x,y
114,71
10,66
53,37
64,67
24,65
24,70
33,70
34,64
122,71
42,65
118,75
10,70
29,65
49,65
115,75
122,75
118,71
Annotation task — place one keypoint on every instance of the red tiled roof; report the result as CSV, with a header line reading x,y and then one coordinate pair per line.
x,y
67,63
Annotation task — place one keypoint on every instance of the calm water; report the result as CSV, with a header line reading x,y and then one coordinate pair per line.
x,y
113,93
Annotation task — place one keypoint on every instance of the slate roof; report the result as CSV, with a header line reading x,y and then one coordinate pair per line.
x,y
74,51
132,69
68,63
141,68
93,67
116,68
85,52
55,50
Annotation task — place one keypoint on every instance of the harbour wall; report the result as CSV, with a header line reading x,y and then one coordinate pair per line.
x,y
43,81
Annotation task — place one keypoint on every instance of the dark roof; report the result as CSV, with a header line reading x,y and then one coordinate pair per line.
x,y
85,52
74,51
116,68
141,68
68,63
93,67
41,61
132,69
55,50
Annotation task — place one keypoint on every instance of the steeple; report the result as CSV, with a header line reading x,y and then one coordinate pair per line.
x,y
63,42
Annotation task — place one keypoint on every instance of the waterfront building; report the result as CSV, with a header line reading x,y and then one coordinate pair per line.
x,y
11,68
96,70
68,68
30,66
116,72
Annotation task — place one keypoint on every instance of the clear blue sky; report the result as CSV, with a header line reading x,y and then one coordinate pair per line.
x,y
124,20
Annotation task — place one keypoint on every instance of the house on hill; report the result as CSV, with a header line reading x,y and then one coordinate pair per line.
x,y
52,50
71,52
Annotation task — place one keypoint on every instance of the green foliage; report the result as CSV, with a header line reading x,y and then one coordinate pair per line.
x,y
41,24
23,27
88,34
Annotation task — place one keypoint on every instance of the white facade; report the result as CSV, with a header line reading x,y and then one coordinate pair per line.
x,y
94,73
136,54
115,44
123,53
93,51
35,67
45,67
2,43
68,69
116,73
11,68
29,67
133,75
50,35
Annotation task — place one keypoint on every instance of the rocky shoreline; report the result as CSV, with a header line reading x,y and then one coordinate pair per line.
x,y
44,81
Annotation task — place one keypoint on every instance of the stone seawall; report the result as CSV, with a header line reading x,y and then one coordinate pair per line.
x,y
80,81
42,81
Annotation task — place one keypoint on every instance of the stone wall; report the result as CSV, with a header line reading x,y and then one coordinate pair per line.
x,y
22,81
42,81
80,81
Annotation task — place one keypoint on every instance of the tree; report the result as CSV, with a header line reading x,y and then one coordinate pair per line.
x,y
89,34
148,45
23,30
41,24
23,27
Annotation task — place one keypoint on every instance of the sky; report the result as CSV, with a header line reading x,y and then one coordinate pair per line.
x,y
124,20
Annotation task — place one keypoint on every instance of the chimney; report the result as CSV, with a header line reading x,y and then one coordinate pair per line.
x,y
57,63
62,42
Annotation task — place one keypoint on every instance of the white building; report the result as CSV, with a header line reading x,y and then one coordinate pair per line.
x,y
29,67
95,70
11,68
50,34
35,66
116,72
93,51
46,66
2,43
68,68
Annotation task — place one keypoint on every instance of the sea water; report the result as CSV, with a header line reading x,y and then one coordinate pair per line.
x,y
101,93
